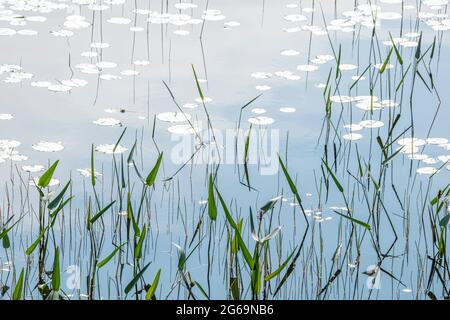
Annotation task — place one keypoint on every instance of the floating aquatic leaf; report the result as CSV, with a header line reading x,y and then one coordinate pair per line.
x,y
33,168
261,75
110,149
174,116
352,136
353,127
289,52
88,173
45,146
295,18
107,122
183,129
190,105
287,110
5,116
129,72
118,20
263,87
261,120
347,67
437,141
371,124
416,142
59,88
307,67
258,110
427,170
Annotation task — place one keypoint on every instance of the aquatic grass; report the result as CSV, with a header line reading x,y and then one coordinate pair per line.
x,y
151,291
150,180
17,294
103,262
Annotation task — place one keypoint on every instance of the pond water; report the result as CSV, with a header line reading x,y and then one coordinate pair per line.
x,y
349,97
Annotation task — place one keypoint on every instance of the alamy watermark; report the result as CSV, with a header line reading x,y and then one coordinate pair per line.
x,y
229,147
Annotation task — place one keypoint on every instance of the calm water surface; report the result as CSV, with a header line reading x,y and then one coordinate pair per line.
x,y
284,53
